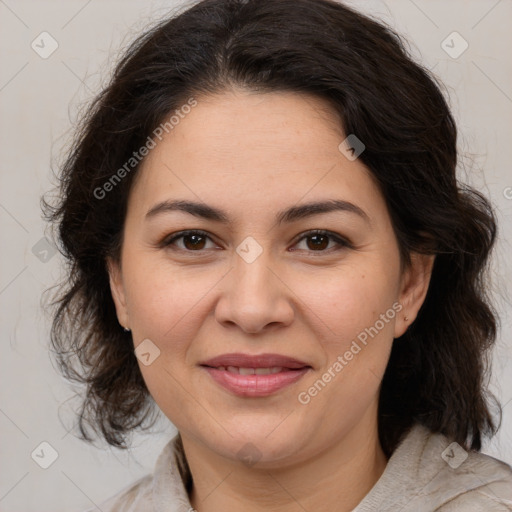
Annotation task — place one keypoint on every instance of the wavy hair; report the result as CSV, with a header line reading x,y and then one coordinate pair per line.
x,y
437,369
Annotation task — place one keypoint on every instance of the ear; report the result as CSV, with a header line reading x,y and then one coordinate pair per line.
x,y
413,290
118,292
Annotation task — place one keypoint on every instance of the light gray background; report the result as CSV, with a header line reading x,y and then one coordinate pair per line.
x,y
40,98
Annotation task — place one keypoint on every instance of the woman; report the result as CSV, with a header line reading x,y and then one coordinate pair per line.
x,y
267,241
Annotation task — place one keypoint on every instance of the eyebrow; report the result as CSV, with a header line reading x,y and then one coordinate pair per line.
x,y
288,215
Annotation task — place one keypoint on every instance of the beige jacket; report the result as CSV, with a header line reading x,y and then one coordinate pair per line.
x,y
425,473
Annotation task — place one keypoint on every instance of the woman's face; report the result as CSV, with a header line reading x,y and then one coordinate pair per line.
x,y
257,281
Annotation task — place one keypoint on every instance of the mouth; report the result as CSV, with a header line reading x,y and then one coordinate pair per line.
x,y
253,371
255,376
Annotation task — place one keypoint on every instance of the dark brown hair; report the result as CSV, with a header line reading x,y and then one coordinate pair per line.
x,y
436,372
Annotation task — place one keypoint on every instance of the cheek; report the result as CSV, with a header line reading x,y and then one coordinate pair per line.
x,y
357,308
348,298
163,299
167,306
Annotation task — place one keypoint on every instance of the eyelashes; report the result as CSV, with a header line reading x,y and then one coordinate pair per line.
x,y
195,241
197,233
319,234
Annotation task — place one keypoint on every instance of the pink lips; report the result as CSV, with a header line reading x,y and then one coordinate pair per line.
x,y
255,376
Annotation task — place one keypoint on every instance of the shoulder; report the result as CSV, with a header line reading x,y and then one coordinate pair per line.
x,y
164,489
452,478
136,497
480,483
429,472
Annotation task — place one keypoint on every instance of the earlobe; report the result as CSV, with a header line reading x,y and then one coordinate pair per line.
x,y
118,292
414,288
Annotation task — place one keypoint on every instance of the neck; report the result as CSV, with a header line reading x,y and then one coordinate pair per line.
x,y
336,479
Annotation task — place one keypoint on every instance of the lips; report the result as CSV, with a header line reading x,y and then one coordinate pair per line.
x,y
255,376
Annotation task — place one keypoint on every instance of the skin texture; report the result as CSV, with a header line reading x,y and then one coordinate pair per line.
x,y
253,155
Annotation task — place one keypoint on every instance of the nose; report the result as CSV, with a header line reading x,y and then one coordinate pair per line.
x,y
254,297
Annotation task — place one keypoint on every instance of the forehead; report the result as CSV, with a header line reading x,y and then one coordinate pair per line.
x,y
244,126
256,149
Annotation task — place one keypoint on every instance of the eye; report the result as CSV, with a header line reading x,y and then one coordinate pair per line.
x,y
318,240
191,240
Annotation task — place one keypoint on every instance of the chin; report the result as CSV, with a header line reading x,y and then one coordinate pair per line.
x,y
259,447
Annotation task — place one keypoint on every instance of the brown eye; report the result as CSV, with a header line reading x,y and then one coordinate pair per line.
x,y
318,242
322,241
190,241
193,242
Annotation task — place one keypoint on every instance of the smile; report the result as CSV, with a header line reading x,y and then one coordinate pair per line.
x,y
255,382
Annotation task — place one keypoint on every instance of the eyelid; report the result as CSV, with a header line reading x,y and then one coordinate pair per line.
x,y
168,240
342,242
